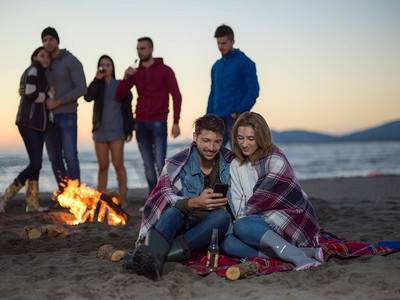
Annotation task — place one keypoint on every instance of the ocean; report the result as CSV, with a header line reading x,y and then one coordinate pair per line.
x,y
309,161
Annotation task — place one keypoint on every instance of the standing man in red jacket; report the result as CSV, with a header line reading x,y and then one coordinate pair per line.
x,y
154,82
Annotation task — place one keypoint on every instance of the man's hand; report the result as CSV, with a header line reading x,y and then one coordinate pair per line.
x,y
52,103
175,131
129,72
208,200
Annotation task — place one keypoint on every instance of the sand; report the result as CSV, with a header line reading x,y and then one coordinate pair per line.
x,y
358,209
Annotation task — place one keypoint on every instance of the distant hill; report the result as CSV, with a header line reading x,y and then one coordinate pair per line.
x,y
388,131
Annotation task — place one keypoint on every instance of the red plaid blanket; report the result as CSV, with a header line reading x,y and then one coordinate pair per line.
x,y
331,246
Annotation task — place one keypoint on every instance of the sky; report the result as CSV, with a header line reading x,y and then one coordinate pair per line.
x,y
326,66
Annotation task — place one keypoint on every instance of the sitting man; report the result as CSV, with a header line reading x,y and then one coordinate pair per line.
x,y
182,210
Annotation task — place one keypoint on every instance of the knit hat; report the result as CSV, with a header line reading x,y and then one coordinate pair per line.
x,y
52,32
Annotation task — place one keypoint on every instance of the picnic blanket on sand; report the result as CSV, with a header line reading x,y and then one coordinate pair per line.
x,y
331,246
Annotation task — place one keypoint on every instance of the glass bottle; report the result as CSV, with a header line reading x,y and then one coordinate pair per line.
x,y
213,252
242,208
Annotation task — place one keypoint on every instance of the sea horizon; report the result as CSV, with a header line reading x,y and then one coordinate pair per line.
x,y
320,160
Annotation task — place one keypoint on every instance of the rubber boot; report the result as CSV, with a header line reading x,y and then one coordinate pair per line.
x,y
148,259
10,192
179,250
315,253
31,195
277,247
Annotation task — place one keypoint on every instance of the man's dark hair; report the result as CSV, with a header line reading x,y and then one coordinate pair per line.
x,y
209,122
224,30
146,39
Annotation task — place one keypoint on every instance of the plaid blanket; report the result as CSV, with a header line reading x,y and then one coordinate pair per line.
x,y
331,246
169,189
280,200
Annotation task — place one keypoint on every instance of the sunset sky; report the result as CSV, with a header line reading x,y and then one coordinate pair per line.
x,y
326,66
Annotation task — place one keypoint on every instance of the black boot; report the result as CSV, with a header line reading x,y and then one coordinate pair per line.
x,y
179,250
148,259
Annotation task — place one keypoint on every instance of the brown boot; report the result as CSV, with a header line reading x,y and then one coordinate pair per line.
x,y
32,196
10,192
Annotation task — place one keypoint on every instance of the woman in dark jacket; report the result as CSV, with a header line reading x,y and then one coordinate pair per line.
x,y
113,124
32,120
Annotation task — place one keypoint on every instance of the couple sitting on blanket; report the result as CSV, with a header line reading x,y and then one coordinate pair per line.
x,y
182,210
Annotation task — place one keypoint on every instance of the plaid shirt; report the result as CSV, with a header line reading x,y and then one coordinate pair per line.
x,y
169,189
280,200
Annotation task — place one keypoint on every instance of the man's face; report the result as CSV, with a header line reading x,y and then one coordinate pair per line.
x,y
144,50
208,144
50,43
225,45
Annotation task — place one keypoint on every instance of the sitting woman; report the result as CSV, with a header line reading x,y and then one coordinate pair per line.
x,y
274,216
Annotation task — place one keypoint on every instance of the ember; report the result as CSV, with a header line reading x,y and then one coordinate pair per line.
x,y
88,204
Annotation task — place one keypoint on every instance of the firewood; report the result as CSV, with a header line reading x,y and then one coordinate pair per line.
x,y
110,253
52,230
243,270
57,231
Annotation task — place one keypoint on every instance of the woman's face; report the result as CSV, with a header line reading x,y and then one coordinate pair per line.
x,y
43,57
106,63
246,139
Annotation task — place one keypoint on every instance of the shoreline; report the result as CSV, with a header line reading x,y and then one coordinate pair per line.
x,y
363,209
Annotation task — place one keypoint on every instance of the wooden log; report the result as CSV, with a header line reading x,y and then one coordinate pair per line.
x,y
115,207
243,270
57,231
110,253
51,230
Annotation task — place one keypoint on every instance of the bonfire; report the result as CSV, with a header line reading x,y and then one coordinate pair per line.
x,y
88,204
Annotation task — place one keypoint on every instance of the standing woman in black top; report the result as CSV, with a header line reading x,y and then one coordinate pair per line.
x,y
113,125
32,118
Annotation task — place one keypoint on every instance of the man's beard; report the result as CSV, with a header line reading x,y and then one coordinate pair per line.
x,y
146,58
204,158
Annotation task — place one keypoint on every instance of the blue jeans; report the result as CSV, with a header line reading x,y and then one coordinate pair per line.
x,y
229,122
245,240
61,144
198,235
152,141
33,141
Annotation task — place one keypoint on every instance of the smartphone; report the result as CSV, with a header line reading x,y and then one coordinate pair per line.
x,y
221,188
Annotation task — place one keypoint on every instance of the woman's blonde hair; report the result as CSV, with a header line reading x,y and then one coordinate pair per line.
x,y
262,133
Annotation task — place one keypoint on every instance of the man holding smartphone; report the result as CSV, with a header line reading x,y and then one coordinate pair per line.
x,y
181,212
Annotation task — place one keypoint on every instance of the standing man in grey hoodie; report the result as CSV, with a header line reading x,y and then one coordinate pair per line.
x,y
66,75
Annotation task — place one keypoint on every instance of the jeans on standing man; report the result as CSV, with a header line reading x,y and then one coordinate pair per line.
x,y
61,144
152,141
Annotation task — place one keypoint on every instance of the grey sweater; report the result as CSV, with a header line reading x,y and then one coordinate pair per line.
x,y
66,75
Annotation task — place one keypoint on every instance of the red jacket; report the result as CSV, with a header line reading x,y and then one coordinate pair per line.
x,y
153,85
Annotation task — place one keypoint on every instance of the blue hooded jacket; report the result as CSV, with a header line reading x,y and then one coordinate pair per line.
x,y
234,85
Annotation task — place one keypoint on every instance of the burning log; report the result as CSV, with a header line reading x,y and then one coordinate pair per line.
x,y
117,208
52,230
88,204
110,253
243,270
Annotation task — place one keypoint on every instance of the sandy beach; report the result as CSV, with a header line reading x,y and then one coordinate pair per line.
x,y
356,209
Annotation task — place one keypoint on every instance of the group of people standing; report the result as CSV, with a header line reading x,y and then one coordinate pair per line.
x,y
265,212
61,81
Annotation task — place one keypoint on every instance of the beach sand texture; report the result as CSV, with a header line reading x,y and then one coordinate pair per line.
x,y
356,209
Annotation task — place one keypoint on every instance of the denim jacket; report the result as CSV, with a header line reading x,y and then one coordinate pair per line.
x,y
192,178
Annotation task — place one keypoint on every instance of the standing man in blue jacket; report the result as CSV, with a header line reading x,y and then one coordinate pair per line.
x,y
234,84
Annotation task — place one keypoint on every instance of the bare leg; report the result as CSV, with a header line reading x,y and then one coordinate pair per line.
x,y
117,156
102,153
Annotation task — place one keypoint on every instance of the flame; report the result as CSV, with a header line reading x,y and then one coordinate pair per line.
x,y
82,202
